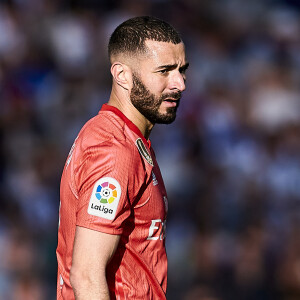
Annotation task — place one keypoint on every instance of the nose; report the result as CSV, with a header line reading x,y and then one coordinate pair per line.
x,y
178,81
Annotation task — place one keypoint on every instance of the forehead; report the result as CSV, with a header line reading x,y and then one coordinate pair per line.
x,y
162,53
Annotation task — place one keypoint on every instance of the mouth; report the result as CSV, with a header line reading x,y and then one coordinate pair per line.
x,y
170,102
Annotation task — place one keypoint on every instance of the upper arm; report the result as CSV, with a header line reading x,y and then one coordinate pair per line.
x,y
91,253
105,187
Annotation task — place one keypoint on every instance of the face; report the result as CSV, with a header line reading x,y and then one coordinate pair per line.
x,y
158,85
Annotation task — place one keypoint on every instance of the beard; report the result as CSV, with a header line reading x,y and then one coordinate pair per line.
x,y
148,104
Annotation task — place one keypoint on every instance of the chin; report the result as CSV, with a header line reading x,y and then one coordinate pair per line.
x,y
166,119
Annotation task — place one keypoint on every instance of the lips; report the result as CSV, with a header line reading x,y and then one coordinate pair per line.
x,y
171,97
171,102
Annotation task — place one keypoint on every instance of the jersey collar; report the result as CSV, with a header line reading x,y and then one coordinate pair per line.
x,y
132,126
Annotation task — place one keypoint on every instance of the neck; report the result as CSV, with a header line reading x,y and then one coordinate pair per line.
x,y
123,103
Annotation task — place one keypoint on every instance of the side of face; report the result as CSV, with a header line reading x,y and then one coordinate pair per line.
x,y
158,81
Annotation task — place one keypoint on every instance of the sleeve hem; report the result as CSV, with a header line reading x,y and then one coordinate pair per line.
x,y
103,229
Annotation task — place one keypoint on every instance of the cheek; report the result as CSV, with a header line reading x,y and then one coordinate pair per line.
x,y
157,86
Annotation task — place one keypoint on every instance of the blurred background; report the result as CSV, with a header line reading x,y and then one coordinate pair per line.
x,y
231,161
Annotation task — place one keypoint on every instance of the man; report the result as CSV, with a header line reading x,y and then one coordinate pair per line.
x,y
113,200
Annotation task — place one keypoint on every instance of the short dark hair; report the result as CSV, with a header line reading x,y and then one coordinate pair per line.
x,y
130,36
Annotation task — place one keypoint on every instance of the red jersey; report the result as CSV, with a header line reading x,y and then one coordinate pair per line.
x,y
111,183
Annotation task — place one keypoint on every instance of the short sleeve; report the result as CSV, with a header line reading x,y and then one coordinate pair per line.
x,y
102,181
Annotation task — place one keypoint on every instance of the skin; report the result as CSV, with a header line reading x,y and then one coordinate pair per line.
x,y
156,80
149,105
91,254
161,70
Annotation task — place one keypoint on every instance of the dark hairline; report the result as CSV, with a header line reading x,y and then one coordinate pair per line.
x,y
138,53
140,29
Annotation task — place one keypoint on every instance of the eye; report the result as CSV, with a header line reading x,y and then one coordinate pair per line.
x,y
164,71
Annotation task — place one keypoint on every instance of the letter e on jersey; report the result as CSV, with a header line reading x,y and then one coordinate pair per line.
x,y
105,198
157,230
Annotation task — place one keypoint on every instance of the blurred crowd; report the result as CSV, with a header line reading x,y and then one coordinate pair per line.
x,y
231,160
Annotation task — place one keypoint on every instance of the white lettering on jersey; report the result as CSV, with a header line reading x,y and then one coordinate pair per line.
x,y
71,153
61,281
157,230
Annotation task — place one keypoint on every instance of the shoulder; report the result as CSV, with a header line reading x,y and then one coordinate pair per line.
x,y
102,128
105,135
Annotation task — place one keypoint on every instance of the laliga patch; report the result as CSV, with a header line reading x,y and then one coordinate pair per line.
x,y
143,151
105,198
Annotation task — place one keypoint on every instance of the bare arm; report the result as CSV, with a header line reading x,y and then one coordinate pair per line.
x,y
92,251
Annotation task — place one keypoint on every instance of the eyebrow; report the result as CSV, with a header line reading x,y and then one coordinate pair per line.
x,y
185,66
174,66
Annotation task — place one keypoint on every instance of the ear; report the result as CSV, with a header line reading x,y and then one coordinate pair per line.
x,y
122,75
